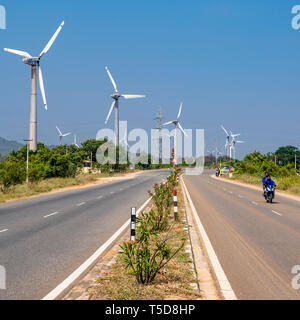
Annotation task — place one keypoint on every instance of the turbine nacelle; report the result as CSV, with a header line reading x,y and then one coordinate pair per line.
x,y
34,62
116,96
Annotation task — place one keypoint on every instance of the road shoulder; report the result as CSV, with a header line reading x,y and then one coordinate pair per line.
x,y
249,186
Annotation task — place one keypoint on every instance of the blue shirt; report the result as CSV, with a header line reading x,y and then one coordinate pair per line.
x,y
264,180
269,183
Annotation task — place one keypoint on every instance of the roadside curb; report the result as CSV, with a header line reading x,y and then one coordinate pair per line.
x,y
250,186
223,282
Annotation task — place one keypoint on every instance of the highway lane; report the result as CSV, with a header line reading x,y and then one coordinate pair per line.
x,y
257,243
48,237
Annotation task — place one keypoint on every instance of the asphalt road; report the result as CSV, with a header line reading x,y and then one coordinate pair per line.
x,y
43,240
257,243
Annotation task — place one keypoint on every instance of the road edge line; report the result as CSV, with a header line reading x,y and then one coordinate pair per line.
x,y
66,285
223,281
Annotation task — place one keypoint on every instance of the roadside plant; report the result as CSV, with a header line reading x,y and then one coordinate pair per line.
x,y
150,254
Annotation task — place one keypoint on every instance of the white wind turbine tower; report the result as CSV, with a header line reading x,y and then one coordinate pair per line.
x,y
75,142
124,140
115,106
227,145
177,125
34,62
61,135
233,144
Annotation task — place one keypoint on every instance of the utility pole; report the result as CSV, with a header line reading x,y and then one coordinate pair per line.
x,y
27,160
173,160
296,161
92,161
158,119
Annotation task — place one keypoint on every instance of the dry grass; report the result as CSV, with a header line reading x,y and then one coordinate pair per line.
x,y
28,190
172,283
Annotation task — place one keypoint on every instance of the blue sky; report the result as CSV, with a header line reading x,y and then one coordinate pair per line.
x,y
231,62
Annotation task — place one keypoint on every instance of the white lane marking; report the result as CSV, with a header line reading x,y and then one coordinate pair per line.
x,y
224,283
279,214
255,203
112,192
230,192
100,197
88,264
81,204
121,189
50,215
241,197
2,231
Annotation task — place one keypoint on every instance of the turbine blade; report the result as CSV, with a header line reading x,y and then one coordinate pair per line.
x,y
112,79
42,88
181,129
50,43
180,111
110,111
168,123
132,96
67,134
58,130
19,53
225,131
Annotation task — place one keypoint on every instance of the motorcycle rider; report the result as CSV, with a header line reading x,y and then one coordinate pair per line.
x,y
265,178
268,182
263,183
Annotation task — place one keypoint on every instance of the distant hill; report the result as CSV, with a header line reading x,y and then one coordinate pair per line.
x,y
8,146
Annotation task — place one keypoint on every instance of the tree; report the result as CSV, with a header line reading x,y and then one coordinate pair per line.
x,y
287,154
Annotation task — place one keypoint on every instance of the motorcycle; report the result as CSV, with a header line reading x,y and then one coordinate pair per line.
x,y
270,193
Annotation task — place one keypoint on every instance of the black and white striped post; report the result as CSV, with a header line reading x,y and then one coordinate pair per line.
x,y
133,224
175,206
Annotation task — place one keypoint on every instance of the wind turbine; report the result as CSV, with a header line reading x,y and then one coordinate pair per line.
x,y
61,135
218,153
75,142
34,62
233,144
227,145
177,125
115,106
232,148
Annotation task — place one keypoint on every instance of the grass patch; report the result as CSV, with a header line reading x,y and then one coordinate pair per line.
x,y
173,282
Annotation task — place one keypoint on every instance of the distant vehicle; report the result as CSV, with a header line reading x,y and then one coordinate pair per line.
x,y
224,170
